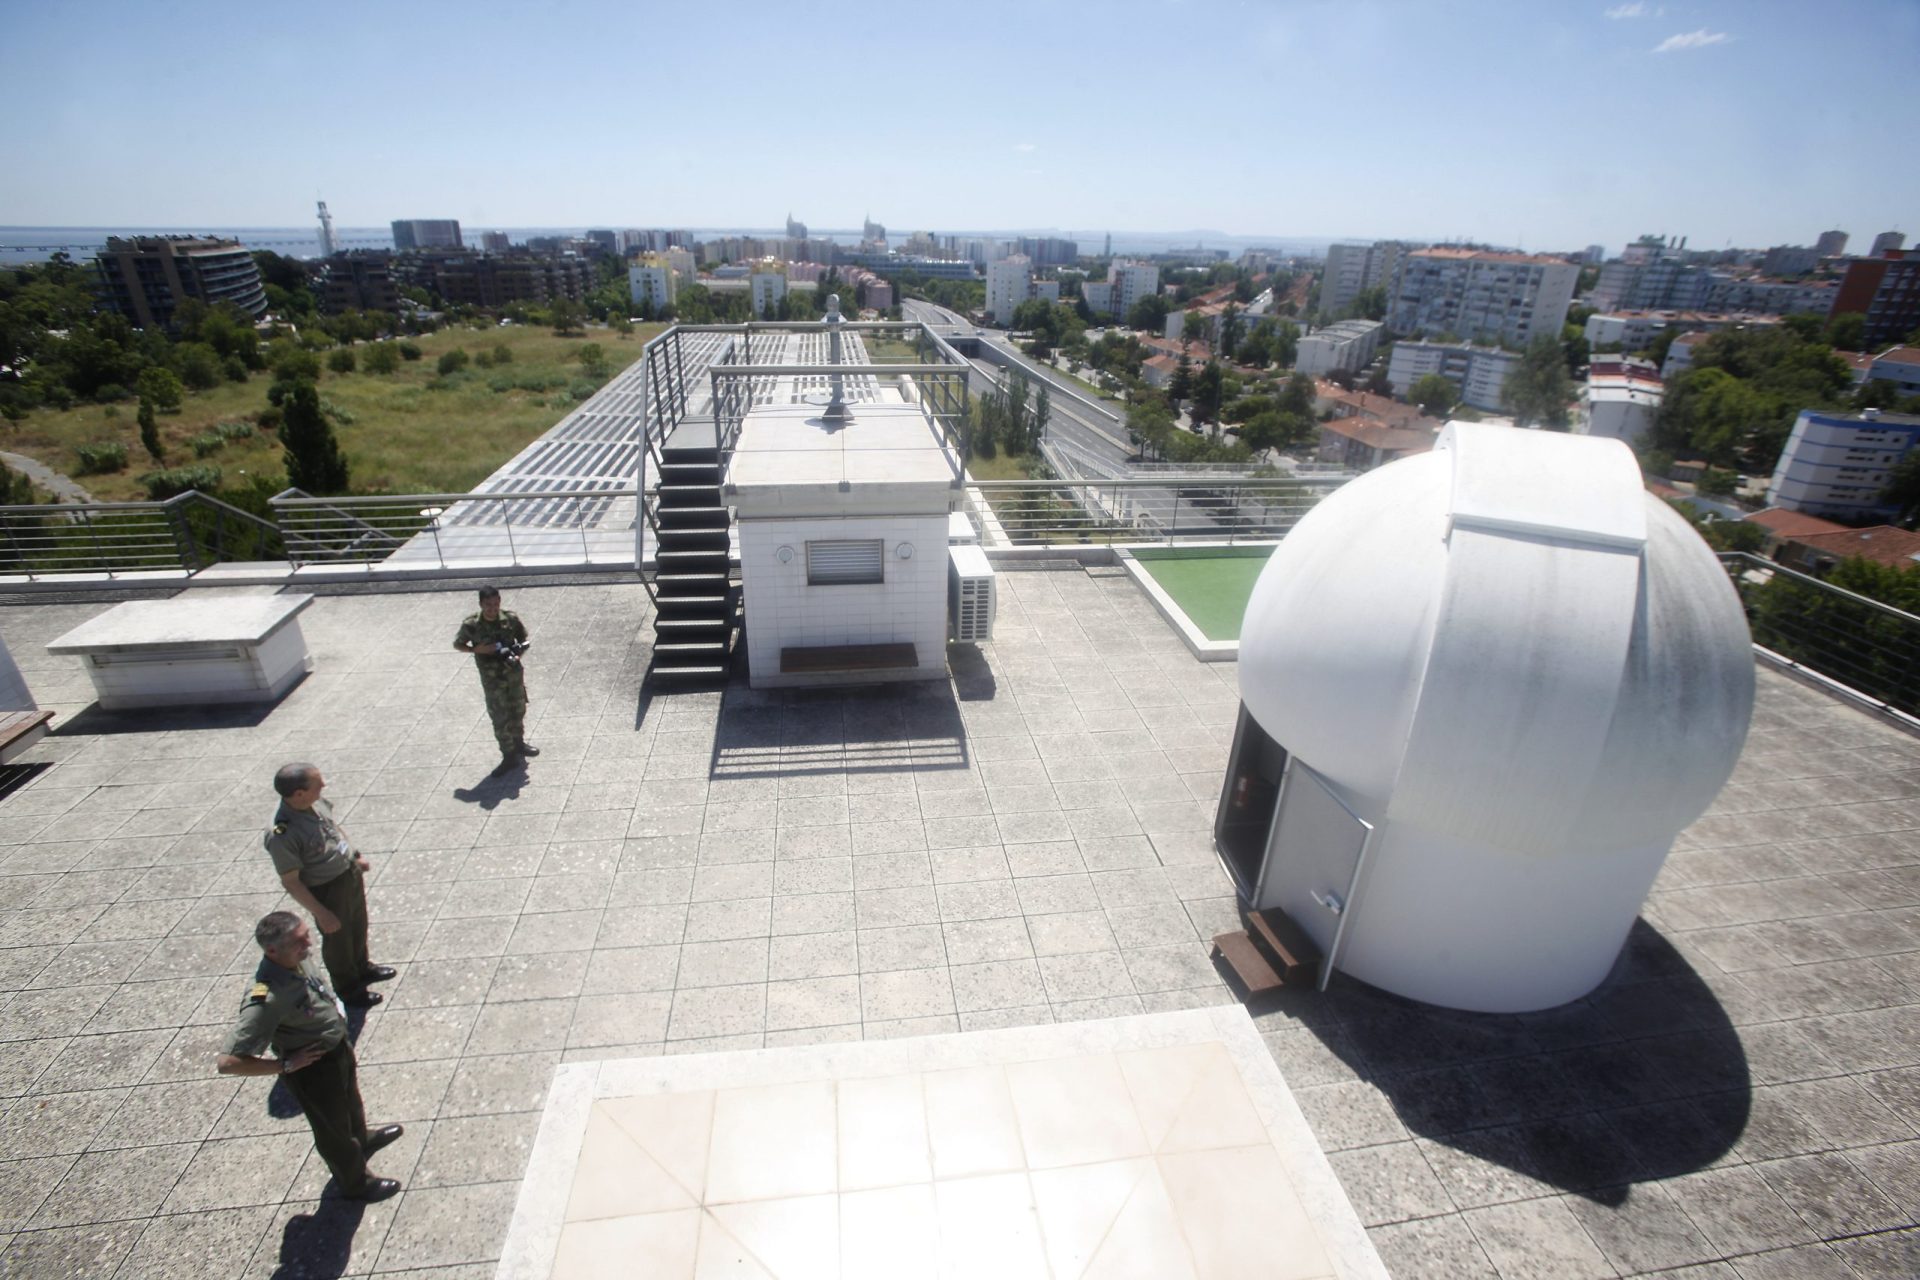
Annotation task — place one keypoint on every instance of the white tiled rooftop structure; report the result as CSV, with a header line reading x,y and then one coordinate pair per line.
x,y
1026,844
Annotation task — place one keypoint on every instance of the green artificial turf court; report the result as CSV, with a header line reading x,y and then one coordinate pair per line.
x,y
1210,584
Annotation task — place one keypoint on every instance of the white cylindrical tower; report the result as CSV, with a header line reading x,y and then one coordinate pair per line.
x,y
1528,675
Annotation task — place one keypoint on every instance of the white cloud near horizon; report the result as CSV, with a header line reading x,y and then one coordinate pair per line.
x,y
1691,40
1024,147
1637,9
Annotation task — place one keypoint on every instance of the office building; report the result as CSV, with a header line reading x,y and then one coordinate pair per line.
x,y
1008,281
146,278
426,233
1831,244
1887,240
361,281
1480,372
1481,295
1352,269
1886,291
1348,345
651,283
1837,465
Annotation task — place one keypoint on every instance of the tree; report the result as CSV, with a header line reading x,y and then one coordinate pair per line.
x,y
1538,389
150,432
160,388
1149,313
622,324
567,316
1042,414
1232,325
312,455
1193,328
452,361
1150,423
1209,387
1848,331
1903,489
198,365
592,358
1180,386
1434,393
1297,396
1273,429
1016,429
381,357
341,360
1708,413
1370,304
1716,483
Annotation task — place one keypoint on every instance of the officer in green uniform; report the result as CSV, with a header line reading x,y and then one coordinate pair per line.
x,y
321,871
496,639
290,1010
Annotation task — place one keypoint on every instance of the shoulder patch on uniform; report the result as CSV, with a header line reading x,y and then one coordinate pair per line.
x,y
258,995
279,828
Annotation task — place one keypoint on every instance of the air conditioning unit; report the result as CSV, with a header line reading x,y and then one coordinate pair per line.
x,y
970,595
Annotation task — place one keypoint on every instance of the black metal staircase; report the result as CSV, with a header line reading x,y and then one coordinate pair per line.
x,y
696,605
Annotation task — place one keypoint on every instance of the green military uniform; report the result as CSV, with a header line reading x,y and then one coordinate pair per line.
x,y
310,841
503,682
287,1010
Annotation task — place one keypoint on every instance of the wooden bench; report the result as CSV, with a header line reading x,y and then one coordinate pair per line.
x,y
20,730
821,659
1270,953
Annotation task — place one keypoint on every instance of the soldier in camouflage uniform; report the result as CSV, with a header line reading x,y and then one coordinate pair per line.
x,y
492,636
290,1010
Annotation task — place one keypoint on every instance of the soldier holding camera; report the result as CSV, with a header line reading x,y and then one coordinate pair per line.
x,y
496,639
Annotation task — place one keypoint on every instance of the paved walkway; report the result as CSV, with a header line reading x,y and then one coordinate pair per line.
x,y
44,477
1028,844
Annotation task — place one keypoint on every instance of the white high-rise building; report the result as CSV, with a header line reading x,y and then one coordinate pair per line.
x,y
1131,282
1009,280
326,231
769,286
684,267
1481,295
1348,345
651,282
1352,269
1480,372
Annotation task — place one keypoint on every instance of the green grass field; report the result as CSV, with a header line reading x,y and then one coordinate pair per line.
x,y
406,435
1210,584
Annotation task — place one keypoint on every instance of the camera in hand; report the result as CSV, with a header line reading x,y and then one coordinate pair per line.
x,y
510,650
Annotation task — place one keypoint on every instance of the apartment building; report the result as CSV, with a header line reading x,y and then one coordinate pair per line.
x,y
1898,365
361,281
651,282
1352,269
767,285
1837,465
490,280
410,234
1636,330
1620,400
1887,291
1481,295
1480,372
146,278
1008,282
1348,345
1132,280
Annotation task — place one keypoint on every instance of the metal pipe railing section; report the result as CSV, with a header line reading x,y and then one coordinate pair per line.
x,y
1867,645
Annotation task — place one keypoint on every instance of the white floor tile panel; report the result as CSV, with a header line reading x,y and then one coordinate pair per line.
x,y
1158,1147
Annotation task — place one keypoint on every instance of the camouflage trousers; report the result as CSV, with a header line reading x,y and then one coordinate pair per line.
x,y
506,697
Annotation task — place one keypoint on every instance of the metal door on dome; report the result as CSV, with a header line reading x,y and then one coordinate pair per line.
x,y
1313,861
1244,823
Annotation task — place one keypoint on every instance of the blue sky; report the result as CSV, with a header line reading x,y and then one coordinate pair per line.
x,y
1546,123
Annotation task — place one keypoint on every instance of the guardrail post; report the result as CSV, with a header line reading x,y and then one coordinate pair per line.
x,y
183,541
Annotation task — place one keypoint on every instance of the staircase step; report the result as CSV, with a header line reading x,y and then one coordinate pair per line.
x,y
692,673
683,496
668,541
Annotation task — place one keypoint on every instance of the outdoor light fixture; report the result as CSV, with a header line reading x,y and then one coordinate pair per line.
x,y
904,551
784,555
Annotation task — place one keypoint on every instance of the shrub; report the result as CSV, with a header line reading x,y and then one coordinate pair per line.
x,y
111,392
502,353
205,443
234,368
100,459
240,430
335,412
174,481
580,389
342,360
410,350
484,360
111,413
291,364
160,388
453,361
269,418
381,357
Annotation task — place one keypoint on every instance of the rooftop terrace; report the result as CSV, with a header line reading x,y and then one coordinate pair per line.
x,y
1026,844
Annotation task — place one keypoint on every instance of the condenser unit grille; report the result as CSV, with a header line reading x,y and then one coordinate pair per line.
x,y
970,595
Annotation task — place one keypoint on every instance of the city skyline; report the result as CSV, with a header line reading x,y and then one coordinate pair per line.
x,y
1492,122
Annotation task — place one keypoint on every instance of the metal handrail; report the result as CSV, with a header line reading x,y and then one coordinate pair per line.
x,y
1867,645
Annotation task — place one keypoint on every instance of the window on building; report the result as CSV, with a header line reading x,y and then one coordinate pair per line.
x,y
842,562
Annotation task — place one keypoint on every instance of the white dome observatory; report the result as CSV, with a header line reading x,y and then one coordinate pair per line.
x,y
1483,691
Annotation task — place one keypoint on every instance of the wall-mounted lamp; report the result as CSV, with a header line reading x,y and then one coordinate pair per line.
x,y
784,555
